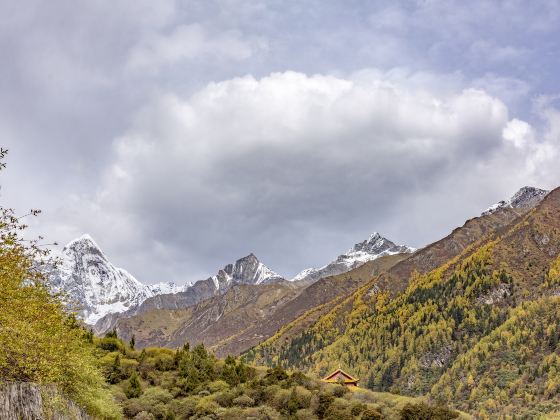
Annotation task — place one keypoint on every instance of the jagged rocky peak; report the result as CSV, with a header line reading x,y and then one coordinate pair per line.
x,y
377,244
525,198
83,245
246,270
374,247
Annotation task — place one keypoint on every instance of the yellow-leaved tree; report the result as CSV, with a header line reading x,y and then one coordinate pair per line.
x,y
39,341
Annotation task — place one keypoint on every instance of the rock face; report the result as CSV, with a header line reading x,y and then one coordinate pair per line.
x,y
247,270
94,286
374,247
525,198
23,400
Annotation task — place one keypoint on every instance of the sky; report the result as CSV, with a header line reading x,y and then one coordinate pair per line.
x,y
183,135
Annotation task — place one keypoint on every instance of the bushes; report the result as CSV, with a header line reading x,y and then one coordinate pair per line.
x,y
324,401
371,414
423,411
275,375
244,401
197,385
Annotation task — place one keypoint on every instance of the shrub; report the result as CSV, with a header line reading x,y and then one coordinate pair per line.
x,y
324,401
305,414
225,398
339,391
275,375
217,386
356,408
371,414
423,411
339,410
244,401
206,406
110,344
133,388
184,408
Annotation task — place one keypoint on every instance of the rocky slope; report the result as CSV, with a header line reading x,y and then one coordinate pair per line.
x,y
247,270
246,314
94,286
374,247
490,222
396,278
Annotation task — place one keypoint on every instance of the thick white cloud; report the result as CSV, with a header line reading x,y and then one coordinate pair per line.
x,y
281,165
519,133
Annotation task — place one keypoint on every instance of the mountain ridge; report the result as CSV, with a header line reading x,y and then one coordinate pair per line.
x,y
374,247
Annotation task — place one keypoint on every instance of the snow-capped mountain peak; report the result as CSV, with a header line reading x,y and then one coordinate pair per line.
x,y
374,247
246,270
93,286
526,197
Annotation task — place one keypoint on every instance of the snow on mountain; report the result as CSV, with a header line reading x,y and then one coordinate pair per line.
x,y
374,247
166,288
246,270
94,287
526,197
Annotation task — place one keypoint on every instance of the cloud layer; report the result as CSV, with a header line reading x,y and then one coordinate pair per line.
x,y
185,134
296,167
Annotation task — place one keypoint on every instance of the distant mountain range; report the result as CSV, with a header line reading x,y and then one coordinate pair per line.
x,y
95,288
99,291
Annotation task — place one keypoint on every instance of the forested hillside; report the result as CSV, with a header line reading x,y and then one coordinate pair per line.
x,y
448,319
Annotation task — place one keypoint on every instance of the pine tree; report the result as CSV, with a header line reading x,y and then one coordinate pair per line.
x,y
134,388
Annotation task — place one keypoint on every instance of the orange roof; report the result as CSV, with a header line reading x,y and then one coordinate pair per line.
x,y
348,378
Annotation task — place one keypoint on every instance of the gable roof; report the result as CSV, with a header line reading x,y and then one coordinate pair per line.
x,y
348,378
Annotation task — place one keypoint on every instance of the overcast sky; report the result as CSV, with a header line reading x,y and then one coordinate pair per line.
x,y
183,135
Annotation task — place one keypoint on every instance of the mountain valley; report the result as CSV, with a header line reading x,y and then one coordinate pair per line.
x,y
411,322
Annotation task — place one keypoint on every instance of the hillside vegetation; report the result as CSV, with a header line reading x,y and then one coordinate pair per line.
x,y
191,383
39,342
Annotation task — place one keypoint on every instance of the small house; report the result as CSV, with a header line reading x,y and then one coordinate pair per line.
x,y
341,377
